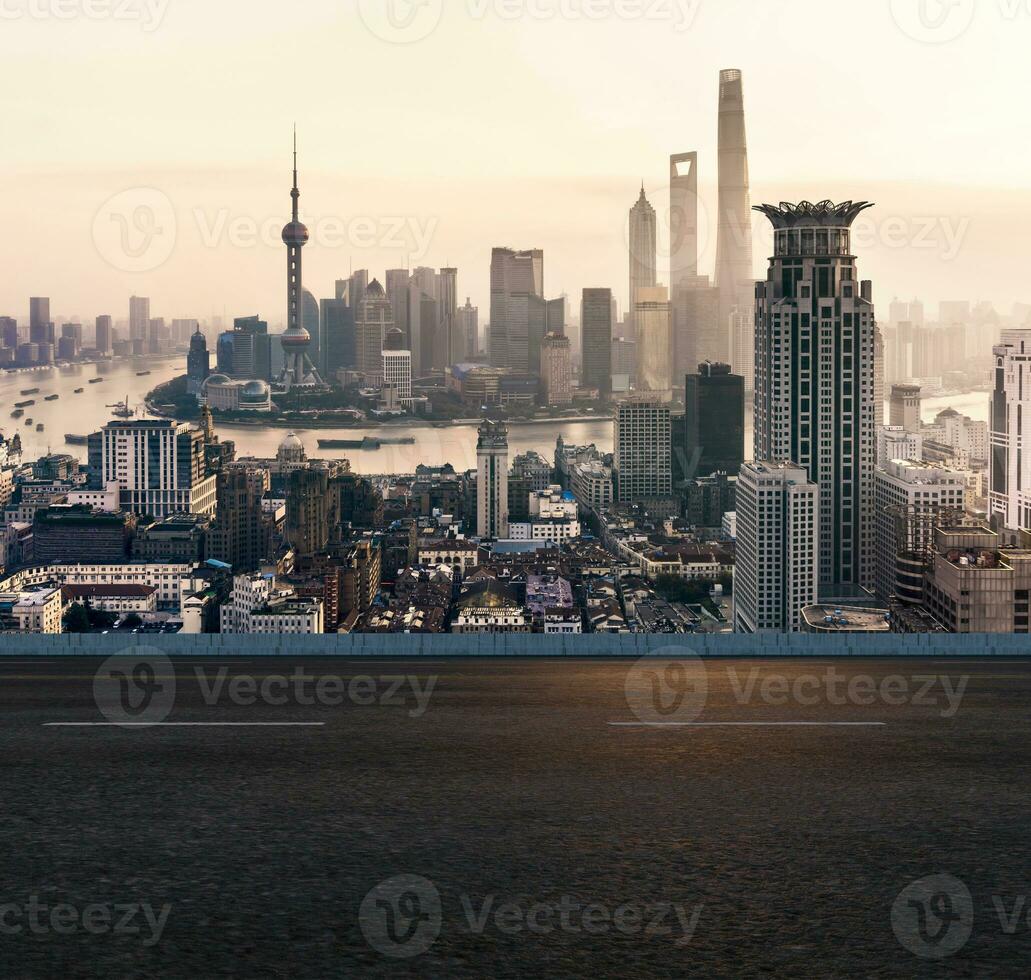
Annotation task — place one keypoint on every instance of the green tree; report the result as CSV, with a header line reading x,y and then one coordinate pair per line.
x,y
76,620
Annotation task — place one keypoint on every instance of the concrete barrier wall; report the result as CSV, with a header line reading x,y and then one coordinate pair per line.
x,y
524,645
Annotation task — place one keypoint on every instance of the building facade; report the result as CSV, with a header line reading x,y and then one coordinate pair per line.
x,y
777,571
815,377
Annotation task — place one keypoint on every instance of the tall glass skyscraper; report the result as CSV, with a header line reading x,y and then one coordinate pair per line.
x,y
735,277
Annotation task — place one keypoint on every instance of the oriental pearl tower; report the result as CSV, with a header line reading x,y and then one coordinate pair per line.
x,y
296,341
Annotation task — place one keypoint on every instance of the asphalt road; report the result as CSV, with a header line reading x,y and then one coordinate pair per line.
x,y
515,818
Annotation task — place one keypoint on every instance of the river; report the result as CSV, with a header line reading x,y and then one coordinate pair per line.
x,y
87,412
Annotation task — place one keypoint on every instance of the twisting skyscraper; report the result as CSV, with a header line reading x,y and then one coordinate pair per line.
x,y
296,341
815,377
734,270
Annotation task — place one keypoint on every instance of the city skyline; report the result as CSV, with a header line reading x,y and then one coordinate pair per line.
x,y
948,219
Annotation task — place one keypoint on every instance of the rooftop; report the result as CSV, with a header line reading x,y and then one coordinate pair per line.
x,y
847,619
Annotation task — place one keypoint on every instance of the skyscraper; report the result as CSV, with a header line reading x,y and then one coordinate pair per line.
x,y
642,241
1010,478
307,510
375,318
397,366
41,329
556,370
714,420
642,457
395,285
252,349
103,338
338,334
492,480
654,342
516,279
596,338
296,342
734,271
453,343
239,535
469,327
777,571
683,217
198,363
139,318
816,376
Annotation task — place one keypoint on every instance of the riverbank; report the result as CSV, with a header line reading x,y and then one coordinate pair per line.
x,y
325,420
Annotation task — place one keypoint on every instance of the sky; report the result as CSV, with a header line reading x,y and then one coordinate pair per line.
x,y
146,143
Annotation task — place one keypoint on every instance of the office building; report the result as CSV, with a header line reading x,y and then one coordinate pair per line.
x,y
453,342
596,340
642,456
815,377
624,364
308,510
516,294
777,570
252,350
904,407
642,243
239,536
158,466
735,277
911,498
468,317
375,318
339,351
652,316
697,334
556,370
41,329
103,335
714,421
397,367
1010,475
896,442
683,218
492,480
139,318
8,332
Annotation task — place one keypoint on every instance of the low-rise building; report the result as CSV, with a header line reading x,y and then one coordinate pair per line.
x,y
120,599
32,611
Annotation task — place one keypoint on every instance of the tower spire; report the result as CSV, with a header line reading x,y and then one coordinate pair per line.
x,y
295,193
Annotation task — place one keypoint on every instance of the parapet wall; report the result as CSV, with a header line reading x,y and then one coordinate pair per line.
x,y
524,645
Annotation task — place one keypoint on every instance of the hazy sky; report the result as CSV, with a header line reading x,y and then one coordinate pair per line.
x,y
146,142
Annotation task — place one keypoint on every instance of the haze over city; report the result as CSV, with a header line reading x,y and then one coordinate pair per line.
x,y
521,124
